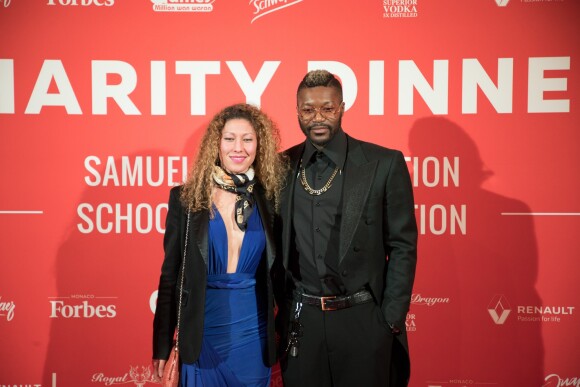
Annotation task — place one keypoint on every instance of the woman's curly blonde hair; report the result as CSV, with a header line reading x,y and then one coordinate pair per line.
x,y
269,166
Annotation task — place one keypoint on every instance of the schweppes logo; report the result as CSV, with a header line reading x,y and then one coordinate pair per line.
x,y
266,7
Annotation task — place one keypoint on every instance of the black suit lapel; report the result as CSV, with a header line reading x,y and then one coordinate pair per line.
x,y
199,229
267,222
357,183
287,200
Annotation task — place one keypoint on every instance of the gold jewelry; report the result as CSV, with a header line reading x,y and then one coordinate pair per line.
x,y
307,186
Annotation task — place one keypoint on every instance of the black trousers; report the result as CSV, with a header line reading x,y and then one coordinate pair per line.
x,y
347,347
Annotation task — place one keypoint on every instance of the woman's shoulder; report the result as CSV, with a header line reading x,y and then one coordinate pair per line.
x,y
175,192
175,198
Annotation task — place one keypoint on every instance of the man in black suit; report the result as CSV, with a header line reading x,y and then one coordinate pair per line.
x,y
348,241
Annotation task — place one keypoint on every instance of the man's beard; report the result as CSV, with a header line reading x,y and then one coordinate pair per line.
x,y
332,131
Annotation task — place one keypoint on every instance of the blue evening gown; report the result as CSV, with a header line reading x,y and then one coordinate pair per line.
x,y
234,334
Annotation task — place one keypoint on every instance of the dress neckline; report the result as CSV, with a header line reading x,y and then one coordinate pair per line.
x,y
223,226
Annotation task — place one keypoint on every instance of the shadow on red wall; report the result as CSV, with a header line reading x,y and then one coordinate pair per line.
x,y
485,270
101,316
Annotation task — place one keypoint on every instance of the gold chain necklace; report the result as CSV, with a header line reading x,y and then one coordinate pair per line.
x,y
307,186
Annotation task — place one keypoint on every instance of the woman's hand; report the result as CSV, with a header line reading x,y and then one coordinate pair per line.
x,y
158,366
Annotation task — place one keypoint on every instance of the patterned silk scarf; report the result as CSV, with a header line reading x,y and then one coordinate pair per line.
x,y
242,185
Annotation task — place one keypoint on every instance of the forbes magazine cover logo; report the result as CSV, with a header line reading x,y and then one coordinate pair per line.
x,y
82,306
499,309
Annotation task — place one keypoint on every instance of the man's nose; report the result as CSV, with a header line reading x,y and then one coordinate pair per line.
x,y
318,113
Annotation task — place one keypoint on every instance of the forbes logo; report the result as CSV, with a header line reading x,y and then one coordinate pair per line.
x,y
59,309
84,3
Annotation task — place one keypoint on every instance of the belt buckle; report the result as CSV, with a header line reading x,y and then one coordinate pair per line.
x,y
323,302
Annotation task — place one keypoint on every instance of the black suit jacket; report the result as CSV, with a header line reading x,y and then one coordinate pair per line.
x,y
195,280
378,221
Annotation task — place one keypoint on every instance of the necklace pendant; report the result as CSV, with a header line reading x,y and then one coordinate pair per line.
x,y
309,189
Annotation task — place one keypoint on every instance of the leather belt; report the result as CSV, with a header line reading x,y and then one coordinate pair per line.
x,y
334,302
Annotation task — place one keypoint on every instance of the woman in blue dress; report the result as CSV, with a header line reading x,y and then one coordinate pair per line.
x,y
222,217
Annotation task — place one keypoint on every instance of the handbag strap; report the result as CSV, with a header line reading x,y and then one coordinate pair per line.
x,y
181,281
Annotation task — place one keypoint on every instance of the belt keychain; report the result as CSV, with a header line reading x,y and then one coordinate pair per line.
x,y
295,331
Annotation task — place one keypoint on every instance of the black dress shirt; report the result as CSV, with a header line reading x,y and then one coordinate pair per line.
x,y
316,220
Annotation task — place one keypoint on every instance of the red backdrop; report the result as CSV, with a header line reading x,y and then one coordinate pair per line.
x,y
102,103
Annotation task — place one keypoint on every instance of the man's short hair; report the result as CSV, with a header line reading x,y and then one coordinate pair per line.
x,y
316,78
